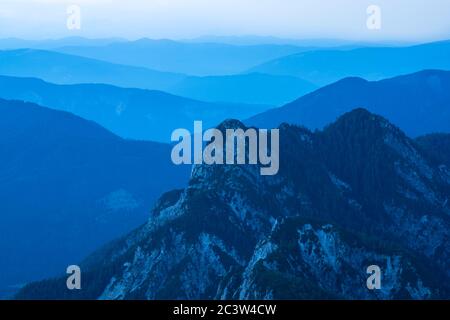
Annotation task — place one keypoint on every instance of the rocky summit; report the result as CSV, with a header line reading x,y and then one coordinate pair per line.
x,y
358,193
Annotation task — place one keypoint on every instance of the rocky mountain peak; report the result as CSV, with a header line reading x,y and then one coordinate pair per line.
x,y
309,232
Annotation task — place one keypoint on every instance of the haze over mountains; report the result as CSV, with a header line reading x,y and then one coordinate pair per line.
x,y
310,44
130,113
359,190
323,67
69,69
418,103
161,65
198,59
67,186
17,43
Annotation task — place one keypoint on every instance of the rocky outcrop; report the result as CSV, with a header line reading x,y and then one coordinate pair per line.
x,y
356,194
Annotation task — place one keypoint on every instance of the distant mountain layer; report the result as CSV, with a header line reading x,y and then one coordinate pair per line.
x,y
199,59
16,43
304,43
69,69
246,88
130,113
357,194
68,186
326,66
418,103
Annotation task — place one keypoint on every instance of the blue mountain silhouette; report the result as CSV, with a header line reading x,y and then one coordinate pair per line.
x,y
200,59
326,66
418,103
130,113
17,43
67,186
68,69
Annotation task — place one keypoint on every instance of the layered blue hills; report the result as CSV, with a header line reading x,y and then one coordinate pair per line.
x,y
130,113
199,59
85,159
323,67
69,69
418,103
61,68
17,43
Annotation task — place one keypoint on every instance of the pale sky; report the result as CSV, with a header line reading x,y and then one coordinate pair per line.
x,y
405,20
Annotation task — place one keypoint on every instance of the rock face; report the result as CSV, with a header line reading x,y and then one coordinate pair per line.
x,y
356,194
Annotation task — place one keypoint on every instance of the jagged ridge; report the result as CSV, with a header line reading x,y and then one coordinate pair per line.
x,y
360,192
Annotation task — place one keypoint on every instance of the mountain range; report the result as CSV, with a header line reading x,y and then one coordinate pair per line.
x,y
356,194
323,67
418,103
68,186
69,69
197,59
17,43
130,113
312,43
364,173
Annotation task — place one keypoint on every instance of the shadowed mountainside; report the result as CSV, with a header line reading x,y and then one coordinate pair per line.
x,y
67,186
